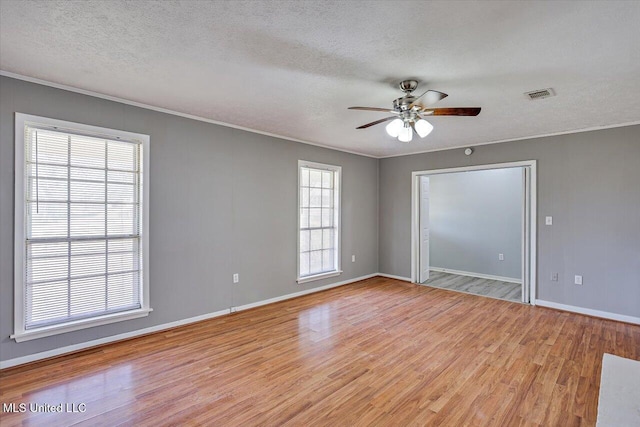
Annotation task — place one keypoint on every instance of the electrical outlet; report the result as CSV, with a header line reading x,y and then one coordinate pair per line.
x,y
353,258
236,278
548,220
578,280
500,257
234,309
554,277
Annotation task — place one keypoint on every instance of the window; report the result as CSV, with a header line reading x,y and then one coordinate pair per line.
x,y
319,221
81,226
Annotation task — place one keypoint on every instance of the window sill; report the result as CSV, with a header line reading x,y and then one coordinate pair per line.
x,y
326,275
47,331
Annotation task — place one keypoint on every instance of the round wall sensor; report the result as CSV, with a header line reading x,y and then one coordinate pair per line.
x,y
468,151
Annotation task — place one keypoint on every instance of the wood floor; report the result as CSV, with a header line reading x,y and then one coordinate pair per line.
x,y
377,352
474,285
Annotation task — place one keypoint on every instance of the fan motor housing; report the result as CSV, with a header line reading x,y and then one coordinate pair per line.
x,y
402,104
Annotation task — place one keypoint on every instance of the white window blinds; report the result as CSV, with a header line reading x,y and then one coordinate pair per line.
x,y
83,213
319,219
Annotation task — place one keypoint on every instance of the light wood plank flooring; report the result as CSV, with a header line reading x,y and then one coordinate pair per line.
x,y
474,285
376,352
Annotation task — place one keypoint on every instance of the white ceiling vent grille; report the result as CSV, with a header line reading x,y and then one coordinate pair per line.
x,y
540,94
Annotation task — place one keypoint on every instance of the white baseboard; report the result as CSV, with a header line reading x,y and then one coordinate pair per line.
x,y
391,276
478,275
590,312
301,293
81,346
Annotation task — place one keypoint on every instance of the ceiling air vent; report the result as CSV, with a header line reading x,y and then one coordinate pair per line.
x,y
540,94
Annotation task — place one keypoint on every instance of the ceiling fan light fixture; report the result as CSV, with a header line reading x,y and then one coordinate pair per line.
x,y
394,128
406,134
423,128
408,112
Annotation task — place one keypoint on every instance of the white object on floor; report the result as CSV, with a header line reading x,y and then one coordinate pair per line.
x,y
619,401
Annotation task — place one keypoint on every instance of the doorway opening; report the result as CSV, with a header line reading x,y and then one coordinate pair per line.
x,y
473,229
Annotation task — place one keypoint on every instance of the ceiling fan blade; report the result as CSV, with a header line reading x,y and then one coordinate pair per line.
x,y
386,119
461,111
430,97
386,110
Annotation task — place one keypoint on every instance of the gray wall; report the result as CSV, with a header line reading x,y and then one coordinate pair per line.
x,y
222,201
589,182
473,217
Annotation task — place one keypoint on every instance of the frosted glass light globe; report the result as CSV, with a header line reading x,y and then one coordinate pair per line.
x,y
423,128
394,128
406,134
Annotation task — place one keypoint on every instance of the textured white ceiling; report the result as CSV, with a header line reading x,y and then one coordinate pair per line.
x,y
292,68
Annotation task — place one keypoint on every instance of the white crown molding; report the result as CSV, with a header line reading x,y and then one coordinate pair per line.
x,y
500,141
273,135
168,111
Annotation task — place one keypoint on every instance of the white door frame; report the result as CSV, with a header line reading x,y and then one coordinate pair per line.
x,y
424,217
529,262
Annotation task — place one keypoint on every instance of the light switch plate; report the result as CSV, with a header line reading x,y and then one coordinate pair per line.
x,y
578,280
548,220
500,257
236,278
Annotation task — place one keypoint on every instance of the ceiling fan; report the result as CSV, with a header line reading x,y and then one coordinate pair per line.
x,y
408,112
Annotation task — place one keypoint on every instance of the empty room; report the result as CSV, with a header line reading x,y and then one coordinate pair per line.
x,y
319,213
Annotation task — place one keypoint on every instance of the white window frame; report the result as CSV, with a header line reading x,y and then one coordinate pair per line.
x,y
337,170
20,332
